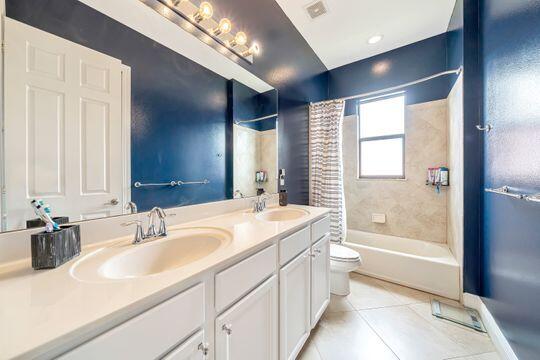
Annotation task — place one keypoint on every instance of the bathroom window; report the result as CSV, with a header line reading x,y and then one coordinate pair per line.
x,y
381,138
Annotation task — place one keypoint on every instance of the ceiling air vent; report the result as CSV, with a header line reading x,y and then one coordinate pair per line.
x,y
316,9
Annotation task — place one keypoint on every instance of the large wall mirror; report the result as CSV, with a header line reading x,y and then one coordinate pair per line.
x,y
99,126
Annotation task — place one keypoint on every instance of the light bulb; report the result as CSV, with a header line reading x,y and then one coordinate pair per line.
x,y
224,27
254,49
239,39
205,12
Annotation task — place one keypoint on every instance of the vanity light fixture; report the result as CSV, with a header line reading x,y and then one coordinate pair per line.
x,y
198,21
375,39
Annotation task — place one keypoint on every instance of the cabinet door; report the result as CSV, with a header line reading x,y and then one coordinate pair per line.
x,y
193,348
248,330
294,305
320,278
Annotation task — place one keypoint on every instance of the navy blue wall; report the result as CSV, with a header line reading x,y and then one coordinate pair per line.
x,y
464,49
511,238
396,67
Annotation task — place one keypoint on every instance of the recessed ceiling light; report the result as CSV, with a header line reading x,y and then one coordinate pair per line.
x,y
374,39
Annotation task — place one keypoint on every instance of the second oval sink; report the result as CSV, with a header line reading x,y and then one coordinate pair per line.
x,y
282,214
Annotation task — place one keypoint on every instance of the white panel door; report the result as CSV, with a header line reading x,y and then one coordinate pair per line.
x,y
63,127
294,306
248,330
320,278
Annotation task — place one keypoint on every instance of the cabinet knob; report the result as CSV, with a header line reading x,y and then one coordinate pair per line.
x,y
227,328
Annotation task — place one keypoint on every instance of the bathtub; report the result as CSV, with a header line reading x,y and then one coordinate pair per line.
x,y
422,265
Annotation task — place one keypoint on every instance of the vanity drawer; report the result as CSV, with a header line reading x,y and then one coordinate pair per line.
x,y
237,280
151,334
320,228
293,245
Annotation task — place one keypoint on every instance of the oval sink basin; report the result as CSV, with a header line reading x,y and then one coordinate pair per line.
x,y
282,214
180,248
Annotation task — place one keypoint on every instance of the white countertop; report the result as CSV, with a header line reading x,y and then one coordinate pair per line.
x,y
46,309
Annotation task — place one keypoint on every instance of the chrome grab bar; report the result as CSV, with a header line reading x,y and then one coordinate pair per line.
x,y
173,183
505,190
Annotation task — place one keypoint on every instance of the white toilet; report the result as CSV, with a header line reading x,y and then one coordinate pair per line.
x,y
343,260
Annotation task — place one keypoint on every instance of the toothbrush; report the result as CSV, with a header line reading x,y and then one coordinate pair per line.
x,y
34,205
39,209
47,209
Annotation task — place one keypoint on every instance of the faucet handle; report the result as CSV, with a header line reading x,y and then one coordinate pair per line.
x,y
138,232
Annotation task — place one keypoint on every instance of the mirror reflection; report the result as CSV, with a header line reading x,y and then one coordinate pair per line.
x,y
255,141
90,132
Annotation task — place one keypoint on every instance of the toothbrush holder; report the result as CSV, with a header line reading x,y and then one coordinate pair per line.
x,y
50,250
34,223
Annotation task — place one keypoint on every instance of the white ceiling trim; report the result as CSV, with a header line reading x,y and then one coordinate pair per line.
x,y
148,22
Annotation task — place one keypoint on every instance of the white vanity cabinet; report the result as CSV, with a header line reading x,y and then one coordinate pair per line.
x,y
249,329
261,306
320,278
151,334
294,300
304,285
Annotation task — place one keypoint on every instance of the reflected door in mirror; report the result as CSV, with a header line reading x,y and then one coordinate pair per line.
x,y
63,128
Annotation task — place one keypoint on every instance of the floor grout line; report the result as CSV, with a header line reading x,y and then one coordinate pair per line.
x,y
466,356
376,333
385,307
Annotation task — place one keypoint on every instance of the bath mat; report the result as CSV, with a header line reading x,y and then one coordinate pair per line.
x,y
463,316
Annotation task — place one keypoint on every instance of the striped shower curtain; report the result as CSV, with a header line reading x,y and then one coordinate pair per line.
x,y
326,163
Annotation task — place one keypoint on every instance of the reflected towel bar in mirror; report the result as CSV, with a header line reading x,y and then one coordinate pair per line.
x,y
172,183
257,119
505,190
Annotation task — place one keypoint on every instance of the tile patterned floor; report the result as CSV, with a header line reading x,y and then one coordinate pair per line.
x,y
381,320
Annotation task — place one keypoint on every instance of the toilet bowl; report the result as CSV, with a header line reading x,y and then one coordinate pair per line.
x,y
342,261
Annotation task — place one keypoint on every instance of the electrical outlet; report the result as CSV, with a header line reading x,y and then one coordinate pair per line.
x,y
378,218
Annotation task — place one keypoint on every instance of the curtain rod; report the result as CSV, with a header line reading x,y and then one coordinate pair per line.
x,y
393,88
257,119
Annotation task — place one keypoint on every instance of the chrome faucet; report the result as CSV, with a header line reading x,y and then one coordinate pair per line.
x,y
260,204
132,207
156,213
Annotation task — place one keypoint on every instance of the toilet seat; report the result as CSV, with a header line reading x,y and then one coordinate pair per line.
x,y
343,253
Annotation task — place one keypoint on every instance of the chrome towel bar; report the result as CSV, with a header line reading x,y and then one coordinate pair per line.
x,y
172,183
505,190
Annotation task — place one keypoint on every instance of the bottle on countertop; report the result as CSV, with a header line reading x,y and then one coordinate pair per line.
x,y
283,200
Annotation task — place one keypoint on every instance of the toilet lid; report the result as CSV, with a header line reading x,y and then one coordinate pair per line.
x,y
342,253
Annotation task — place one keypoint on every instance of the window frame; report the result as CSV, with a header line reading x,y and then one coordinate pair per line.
x,y
360,140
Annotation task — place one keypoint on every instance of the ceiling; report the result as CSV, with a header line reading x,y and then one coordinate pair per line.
x,y
341,36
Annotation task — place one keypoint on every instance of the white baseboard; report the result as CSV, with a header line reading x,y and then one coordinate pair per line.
x,y
499,341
